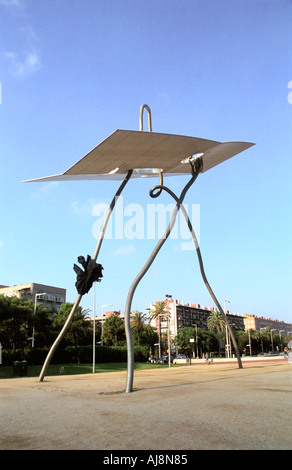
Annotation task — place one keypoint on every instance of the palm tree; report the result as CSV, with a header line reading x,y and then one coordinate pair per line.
x,y
215,322
138,324
159,309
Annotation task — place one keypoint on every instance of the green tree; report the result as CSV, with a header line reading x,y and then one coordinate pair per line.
x,y
207,341
113,330
243,341
255,338
182,340
4,317
15,315
204,339
137,324
149,337
215,323
272,339
41,323
159,311
79,327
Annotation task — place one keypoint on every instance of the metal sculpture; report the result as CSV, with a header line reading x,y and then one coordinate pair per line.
x,y
133,154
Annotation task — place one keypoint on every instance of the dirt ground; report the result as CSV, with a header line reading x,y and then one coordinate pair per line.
x,y
198,407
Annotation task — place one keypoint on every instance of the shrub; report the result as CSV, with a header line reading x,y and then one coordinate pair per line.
x,y
37,356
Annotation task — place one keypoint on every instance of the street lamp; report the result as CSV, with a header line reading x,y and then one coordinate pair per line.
x,y
272,339
249,339
197,341
34,312
93,341
102,307
159,333
281,345
227,341
168,296
262,339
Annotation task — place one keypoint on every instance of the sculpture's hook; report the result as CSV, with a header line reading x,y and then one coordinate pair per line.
x,y
145,106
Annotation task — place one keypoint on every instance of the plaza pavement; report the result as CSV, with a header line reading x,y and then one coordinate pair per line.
x,y
197,407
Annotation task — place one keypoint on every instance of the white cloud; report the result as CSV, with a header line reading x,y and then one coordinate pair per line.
x,y
46,188
27,60
1,244
44,193
83,208
23,65
125,250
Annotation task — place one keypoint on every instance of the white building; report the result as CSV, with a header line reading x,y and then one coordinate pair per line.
x,y
49,296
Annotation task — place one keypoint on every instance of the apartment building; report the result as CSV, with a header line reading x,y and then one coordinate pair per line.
x,y
49,296
252,322
185,314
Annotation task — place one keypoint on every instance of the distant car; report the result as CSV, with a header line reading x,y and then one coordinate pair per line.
x,y
180,359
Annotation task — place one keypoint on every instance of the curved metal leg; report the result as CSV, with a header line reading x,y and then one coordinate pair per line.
x,y
179,205
79,296
207,283
130,351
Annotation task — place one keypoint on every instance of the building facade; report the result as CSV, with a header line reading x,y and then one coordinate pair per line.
x,y
251,322
49,296
185,314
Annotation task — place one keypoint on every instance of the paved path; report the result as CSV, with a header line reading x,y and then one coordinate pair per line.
x,y
177,408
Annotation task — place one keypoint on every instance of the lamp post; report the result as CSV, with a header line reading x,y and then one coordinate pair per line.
x,y
249,340
281,345
159,333
168,296
102,307
93,341
227,341
34,312
272,338
197,341
262,339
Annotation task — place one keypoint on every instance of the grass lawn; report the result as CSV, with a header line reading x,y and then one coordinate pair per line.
x,y
72,369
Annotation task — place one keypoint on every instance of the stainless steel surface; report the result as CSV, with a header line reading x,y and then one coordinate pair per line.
x,y
146,153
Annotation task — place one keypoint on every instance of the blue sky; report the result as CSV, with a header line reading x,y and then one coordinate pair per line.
x,y
73,71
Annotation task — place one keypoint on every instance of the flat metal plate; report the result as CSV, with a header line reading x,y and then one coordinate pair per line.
x,y
145,152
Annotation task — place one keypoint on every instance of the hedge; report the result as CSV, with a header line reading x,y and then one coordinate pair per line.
x,y
37,356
